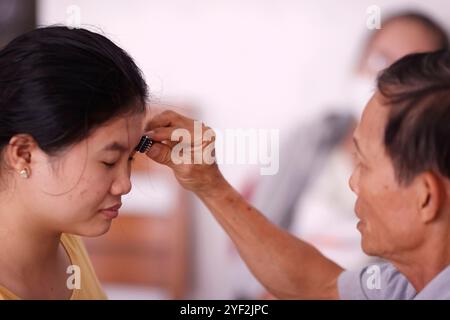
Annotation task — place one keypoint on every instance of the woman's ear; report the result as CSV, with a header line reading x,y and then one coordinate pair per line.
x,y
18,152
429,191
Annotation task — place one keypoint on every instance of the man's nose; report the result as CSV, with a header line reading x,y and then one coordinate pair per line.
x,y
353,183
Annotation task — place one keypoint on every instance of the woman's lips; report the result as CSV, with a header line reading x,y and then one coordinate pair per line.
x,y
111,212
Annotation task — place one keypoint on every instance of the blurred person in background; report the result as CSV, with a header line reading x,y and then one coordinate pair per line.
x,y
309,195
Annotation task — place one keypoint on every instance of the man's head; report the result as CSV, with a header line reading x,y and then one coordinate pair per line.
x,y
402,179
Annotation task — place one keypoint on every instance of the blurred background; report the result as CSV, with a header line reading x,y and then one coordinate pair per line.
x,y
246,64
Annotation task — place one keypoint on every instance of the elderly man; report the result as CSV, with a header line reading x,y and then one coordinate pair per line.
x,y
402,182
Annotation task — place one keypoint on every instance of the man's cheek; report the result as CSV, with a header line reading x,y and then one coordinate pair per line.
x,y
364,197
368,204
374,192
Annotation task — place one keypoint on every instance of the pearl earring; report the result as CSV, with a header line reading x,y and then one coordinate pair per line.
x,y
24,173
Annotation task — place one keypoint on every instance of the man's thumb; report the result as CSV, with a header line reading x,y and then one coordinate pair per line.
x,y
160,153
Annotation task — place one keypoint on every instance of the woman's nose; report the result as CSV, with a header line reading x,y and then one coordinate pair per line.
x,y
122,185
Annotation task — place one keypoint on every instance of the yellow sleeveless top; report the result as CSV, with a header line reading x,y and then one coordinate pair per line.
x,y
90,287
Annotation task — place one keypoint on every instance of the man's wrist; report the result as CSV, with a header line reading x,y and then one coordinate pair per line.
x,y
215,188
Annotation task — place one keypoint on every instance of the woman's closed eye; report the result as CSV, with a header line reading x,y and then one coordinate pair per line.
x,y
110,164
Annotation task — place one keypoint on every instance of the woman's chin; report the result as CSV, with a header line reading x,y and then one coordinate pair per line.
x,y
96,230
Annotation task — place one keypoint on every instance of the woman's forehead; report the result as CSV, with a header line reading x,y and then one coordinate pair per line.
x,y
124,130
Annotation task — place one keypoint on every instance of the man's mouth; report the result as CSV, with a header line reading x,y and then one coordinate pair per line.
x,y
360,225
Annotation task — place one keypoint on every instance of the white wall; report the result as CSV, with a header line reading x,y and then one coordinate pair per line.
x,y
245,63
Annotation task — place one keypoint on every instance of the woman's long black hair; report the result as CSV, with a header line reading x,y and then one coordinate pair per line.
x,y
58,84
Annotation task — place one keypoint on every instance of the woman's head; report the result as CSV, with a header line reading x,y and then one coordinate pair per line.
x,y
65,95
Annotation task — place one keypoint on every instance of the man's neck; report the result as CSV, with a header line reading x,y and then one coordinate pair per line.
x,y
426,262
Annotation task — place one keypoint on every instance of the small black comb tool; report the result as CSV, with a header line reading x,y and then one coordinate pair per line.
x,y
144,145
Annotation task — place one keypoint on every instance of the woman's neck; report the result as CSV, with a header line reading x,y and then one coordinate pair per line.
x,y
30,253
24,238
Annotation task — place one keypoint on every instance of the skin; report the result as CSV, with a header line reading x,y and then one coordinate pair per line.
x,y
406,224
63,194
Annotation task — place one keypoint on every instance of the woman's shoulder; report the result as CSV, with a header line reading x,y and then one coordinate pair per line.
x,y
90,287
71,240
5,294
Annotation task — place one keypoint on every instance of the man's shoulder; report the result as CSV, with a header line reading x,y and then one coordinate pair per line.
x,y
382,281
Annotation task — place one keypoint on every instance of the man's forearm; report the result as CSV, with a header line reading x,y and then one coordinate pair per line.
x,y
285,265
288,267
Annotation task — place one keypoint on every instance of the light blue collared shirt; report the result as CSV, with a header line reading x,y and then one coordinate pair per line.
x,y
385,282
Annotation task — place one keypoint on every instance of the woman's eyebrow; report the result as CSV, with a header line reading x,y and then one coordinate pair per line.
x,y
115,146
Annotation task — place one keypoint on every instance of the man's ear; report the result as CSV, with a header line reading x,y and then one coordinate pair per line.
x,y
430,196
18,151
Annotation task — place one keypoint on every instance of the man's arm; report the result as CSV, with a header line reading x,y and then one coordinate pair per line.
x,y
288,267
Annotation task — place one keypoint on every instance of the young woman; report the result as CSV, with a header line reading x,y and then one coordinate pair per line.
x,y
72,106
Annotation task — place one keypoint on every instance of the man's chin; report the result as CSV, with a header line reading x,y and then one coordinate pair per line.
x,y
366,246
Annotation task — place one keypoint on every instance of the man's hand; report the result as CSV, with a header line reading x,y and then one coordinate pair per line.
x,y
186,146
